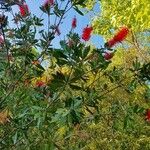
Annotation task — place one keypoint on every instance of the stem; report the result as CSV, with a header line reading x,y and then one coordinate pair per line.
x,y
136,44
55,30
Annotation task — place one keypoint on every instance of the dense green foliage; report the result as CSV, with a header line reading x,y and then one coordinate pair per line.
x,y
79,100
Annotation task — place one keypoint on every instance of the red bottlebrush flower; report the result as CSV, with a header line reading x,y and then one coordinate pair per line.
x,y
40,84
119,37
147,117
86,34
111,43
108,55
48,3
74,22
1,39
24,10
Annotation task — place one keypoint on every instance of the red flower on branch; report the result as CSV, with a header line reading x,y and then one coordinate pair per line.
x,y
74,22
108,55
119,37
147,117
24,9
86,34
48,3
1,39
40,84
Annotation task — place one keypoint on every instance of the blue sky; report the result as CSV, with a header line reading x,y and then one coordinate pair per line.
x,y
82,21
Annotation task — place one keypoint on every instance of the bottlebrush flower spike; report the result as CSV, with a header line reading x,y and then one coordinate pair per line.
x,y
48,3
86,34
74,22
40,84
1,39
108,55
24,9
147,117
119,37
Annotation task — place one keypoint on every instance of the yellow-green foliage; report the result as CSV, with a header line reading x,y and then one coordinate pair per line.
x,y
90,4
115,14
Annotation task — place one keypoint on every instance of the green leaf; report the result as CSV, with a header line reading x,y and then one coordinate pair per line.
x,y
85,52
77,10
15,137
75,87
126,120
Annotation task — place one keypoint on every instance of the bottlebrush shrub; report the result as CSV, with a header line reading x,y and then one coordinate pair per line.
x,y
67,94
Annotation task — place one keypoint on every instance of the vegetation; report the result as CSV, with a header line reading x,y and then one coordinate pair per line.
x,y
84,97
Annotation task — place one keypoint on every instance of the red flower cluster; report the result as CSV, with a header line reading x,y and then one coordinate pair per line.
x,y
119,37
48,3
24,10
74,22
40,83
108,55
86,34
1,39
147,115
